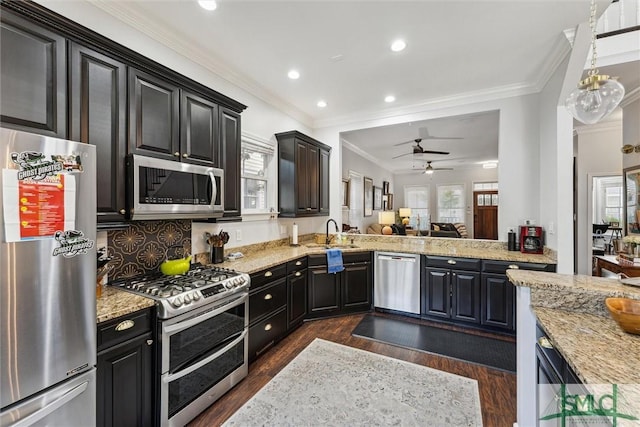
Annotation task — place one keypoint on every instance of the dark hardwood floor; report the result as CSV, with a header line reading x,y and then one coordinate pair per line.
x,y
497,389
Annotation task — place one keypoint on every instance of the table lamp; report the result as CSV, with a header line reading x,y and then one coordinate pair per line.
x,y
405,213
387,218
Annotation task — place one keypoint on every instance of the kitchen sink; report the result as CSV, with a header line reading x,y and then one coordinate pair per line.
x,y
331,246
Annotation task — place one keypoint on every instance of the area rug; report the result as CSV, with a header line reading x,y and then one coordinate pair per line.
x,y
330,384
494,353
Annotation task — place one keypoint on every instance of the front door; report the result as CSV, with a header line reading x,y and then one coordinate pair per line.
x,y
485,214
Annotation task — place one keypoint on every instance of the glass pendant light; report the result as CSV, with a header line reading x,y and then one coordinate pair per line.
x,y
597,95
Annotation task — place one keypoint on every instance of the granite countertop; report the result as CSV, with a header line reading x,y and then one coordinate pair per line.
x,y
115,303
571,310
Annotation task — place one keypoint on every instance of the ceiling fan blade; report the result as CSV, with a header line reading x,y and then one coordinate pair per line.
x,y
442,169
408,142
434,152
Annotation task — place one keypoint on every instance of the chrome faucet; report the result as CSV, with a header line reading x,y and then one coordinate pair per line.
x,y
327,241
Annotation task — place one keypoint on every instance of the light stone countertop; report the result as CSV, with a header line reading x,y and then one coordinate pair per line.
x,y
571,310
115,303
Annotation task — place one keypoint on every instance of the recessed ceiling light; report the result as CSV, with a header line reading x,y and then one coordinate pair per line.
x,y
293,74
322,104
398,45
389,98
208,4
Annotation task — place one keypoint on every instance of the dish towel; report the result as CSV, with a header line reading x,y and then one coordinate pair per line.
x,y
334,261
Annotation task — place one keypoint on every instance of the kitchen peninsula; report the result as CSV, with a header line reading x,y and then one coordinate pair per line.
x,y
571,311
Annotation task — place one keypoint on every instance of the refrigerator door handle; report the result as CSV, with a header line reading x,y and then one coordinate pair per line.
x,y
48,409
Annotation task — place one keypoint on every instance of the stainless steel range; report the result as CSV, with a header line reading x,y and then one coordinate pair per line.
x,y
203,319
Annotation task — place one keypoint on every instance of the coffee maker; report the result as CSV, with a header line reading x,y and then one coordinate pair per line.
x,y
531,239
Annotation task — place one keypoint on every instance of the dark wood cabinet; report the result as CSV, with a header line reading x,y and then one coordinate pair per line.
x,y
125,384
303,175
199,131
296,292
267,309
153,116
230,147
98,105
451,289
33,79
498,306
349,291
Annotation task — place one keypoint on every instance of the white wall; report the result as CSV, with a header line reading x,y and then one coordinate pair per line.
x,y
352,161
597,153
467,177
631,129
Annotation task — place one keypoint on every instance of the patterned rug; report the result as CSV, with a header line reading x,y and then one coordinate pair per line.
x,y
330,384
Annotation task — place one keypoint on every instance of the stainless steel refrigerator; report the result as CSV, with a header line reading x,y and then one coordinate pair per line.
x,y
47,281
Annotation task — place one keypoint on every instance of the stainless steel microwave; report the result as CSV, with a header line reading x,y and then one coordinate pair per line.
x,y
165,189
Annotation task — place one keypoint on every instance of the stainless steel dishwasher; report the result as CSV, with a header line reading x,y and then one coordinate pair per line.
x,y
397,282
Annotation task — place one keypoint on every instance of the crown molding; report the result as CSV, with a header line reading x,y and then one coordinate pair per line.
x,y
605,126
631,97
123,12
360,152
553,60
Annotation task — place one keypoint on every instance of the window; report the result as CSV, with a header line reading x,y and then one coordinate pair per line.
x,y
258,175
451,203
482,186
607,199
417,199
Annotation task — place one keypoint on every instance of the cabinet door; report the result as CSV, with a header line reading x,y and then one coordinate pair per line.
x,y
302,166
297,298
264,334
465,301
153,116
199,134
98,96
230,159
324,292
498,296
438,294
33,79
324,182
357,284
125,384
313,179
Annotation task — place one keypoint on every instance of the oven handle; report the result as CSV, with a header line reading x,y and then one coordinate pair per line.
x,y
180,326
203,362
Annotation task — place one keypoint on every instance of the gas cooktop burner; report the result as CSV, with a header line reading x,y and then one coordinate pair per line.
x,y
177,294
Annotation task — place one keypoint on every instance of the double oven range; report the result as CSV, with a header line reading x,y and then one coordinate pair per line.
x,y
202,327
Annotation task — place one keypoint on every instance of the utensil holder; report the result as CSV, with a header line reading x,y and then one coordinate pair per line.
x,y
217,254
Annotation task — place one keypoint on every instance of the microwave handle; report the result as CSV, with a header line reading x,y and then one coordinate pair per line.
x,y
214,188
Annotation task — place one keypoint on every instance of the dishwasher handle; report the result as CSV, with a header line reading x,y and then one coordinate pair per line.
x,y
397,258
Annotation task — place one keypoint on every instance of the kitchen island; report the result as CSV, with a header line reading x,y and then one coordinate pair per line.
x,y
571,310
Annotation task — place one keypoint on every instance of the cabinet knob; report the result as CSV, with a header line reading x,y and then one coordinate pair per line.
x,y
544,342
298,262
177,154
268,296
451,261
122,211
308,209
298,273
149,342
267,327
185,155
268,274
513,267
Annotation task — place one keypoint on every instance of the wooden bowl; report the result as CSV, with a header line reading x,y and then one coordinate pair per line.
x,y
626,312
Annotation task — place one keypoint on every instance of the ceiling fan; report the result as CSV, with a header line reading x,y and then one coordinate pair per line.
x,y
419,150
430,169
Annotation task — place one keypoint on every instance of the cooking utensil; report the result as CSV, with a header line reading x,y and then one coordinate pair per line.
x,y
172,267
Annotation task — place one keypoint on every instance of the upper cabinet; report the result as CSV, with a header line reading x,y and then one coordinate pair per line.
x,y
116,99
303,175
34,77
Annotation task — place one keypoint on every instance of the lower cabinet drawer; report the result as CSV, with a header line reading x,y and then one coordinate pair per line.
x,y
263,335
267,300
118,330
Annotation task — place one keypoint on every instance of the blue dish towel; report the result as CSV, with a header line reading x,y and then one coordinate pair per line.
x,y
334,261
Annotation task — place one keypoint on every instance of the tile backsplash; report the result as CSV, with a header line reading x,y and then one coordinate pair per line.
x,y
142,247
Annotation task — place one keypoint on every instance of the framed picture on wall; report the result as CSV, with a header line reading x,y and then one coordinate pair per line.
x,y
388,203
631,183
377,198
368,196
385,188
345,193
